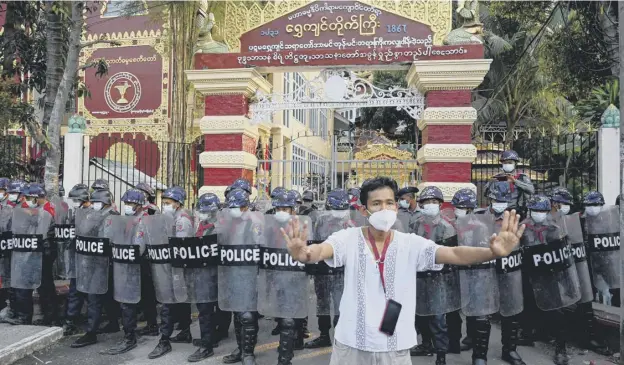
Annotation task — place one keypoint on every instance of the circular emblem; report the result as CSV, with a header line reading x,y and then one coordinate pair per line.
x,y
122,92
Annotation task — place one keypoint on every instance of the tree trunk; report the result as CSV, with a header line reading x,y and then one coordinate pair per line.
x,y
53,158
55,60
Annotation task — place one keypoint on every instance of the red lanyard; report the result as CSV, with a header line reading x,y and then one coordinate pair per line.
x,y
380,259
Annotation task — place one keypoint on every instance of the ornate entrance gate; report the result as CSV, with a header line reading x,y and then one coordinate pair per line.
x,y
336,39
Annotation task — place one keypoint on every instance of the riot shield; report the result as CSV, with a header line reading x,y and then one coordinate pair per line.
x,y
328,281
93,233
283,286
550,265
603,244
239,255
127,248
30,228
158,230
574,235
197,258
64,237
479,283
437,291
6,246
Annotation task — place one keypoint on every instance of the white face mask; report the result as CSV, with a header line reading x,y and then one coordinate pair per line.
x,y
236,212
76,204
383,220
539,217
460,212
168,209
128,210
593,211
508,167
403,204
2,196
282,217
31,204
431,209
97,206
13,197
564,209
203,216
340,213
499,207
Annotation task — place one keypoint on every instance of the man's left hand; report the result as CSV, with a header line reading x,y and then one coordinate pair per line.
x,y
503,243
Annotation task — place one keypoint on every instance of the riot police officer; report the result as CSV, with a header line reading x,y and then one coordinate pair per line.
x,y
127,237
328,282
150,195
308,200
431,308
521,186
238,290
93,274
275,192
510,291
172,206
13,198
5,255
36,200
552,281
79,197
100,184
408,206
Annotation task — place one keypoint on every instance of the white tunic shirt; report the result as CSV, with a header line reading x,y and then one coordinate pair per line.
x,y
363,300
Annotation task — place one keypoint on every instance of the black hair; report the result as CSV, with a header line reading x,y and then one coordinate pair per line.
x,y
377,183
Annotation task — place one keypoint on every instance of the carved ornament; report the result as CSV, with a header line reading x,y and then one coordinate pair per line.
x,y
228,159
246,81
447,116
448,189
446,153
447,74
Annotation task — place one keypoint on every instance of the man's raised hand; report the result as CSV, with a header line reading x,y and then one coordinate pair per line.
x,y
296,238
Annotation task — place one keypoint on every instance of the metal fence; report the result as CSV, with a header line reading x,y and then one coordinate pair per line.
x,y
22,158
323,175
125,162
568,160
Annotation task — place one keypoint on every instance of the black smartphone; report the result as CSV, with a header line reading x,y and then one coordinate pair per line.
x,y
390,317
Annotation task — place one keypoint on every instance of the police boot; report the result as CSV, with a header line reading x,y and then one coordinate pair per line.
x,y
593,341
509,337
70,328
480,340
183,336
561,355
109,327
148,330
126,344
89,338
440,358
276,330
321,341
249,337
287,342
203,352
235,356
299,337
421,350
19,319
163,347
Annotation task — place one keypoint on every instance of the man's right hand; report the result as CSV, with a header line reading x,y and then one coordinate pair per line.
x,y
296,238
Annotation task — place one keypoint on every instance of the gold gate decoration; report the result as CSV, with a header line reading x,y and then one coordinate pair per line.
x,y
384,160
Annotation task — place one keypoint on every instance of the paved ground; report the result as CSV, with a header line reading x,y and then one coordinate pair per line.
x,y
61,354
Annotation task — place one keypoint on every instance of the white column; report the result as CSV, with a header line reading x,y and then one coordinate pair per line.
x,y
73,163
609,163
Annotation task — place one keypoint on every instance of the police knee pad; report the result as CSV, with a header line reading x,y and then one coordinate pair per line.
x,y
287,323
248,318
482,319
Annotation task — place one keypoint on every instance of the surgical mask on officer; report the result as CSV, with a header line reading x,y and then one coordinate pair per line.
x,y
499,207
403,203
2,195
564,209
340,213
32,202
129,210
539,217
593,210
203,216
97,206
431,209
13,197
508,167
168,208
236,212
76,203
282,216
460,212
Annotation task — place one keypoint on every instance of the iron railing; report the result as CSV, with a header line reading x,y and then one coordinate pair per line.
x,y
568,160
125,162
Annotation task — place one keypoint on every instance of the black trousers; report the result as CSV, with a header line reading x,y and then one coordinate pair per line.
x,y
206,326
75,300
434,332
174,313
47,294
97,302
148,295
